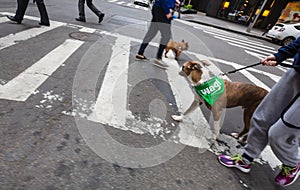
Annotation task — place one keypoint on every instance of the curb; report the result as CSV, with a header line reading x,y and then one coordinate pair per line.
x,y
228,29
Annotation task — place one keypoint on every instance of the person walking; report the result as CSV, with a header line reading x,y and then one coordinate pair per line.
x,y
90,4
276,121
21,9
161,21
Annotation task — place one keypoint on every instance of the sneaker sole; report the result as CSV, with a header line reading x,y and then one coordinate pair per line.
x,y
234,166
160,66
296,177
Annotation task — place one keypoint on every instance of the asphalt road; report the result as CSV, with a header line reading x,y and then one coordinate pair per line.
x,y
79,112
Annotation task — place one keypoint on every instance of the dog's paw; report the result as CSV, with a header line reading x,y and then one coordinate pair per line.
x,y
235,135
177,117
242,140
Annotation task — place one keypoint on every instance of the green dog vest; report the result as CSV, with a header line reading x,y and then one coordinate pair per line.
x,y
211,90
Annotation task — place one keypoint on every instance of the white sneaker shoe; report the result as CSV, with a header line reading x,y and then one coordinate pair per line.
x,y
160,63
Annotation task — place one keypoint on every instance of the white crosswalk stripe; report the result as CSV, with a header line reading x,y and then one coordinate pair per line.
x,y
251,47
114,71
12,39
24,85
123,3
3,19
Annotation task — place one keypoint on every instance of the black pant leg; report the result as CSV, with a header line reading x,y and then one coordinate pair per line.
x,y
43,12
81,8
21,8
92,7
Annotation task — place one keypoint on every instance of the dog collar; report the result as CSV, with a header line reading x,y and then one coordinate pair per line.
x,y
211,90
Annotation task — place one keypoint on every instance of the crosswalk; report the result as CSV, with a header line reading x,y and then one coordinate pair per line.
x,y
251,47
27,83
132,5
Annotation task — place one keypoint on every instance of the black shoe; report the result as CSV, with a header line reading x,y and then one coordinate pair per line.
x,y
101,17
44,24
12,18
80,19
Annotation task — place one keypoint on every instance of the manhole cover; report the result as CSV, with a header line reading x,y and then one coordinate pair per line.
x,y
80,35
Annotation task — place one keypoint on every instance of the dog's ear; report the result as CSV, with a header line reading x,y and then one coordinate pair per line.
x,y
194,66
182,41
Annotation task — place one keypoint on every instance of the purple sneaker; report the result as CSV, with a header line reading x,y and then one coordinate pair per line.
x,y
288,175
234,162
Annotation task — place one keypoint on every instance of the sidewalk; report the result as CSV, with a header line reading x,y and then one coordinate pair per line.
x,y
223,24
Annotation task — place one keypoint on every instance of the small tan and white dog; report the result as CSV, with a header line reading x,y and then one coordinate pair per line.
x,y
235,94
176,47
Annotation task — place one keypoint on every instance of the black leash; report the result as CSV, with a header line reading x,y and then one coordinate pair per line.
x,y
233,71
282,64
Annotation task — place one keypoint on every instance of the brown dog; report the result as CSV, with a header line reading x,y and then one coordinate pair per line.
x,y
235,94
176,47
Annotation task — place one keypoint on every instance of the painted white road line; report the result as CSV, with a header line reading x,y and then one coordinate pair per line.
x,y
221,32
88,30
120,2
13,39
194,129
259,45
245,45
229,35
3,19
248,48
22,86
115,78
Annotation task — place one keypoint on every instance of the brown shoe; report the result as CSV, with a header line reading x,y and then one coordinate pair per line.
x,y
141,57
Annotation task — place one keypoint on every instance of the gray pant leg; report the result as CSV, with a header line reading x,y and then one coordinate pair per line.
x,y
268,112
284,140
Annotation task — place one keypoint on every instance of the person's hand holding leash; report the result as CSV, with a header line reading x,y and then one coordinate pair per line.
x,y
269,61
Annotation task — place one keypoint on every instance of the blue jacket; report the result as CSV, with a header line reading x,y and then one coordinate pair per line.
x,y
289,51
165,4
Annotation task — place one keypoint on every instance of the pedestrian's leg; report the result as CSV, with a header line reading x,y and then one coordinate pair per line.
x,y
152,31
165,30
163,24
93,8
269,111
284,140
81,9
21,8
43,12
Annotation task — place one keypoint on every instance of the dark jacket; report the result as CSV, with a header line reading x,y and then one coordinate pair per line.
x,y
289,51
167,5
